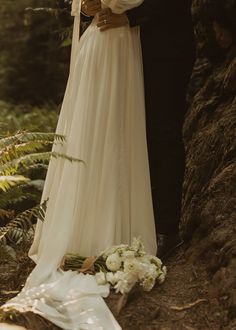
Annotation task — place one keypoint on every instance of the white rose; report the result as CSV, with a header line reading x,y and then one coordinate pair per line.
x,y
131,266
113,262
143,270
100,278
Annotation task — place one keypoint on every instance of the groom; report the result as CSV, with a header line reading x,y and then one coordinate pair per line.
x,y
168,55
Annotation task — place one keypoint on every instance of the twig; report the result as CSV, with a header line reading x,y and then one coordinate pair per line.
x,y
188,306
187,327
194,272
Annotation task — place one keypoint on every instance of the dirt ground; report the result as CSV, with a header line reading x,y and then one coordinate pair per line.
x,y
186,300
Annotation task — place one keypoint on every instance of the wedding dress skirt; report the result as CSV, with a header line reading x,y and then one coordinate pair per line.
x,y
105,199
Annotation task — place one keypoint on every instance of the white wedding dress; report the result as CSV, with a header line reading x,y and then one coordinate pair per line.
x,y
104,200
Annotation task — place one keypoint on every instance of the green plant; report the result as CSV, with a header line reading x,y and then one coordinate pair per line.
x,y
20,227
23,151
22,154
14,118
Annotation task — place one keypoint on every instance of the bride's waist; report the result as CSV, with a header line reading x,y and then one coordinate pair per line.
x,y
124,27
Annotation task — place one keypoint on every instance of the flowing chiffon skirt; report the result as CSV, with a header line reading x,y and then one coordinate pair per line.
x,y
103,200
106,199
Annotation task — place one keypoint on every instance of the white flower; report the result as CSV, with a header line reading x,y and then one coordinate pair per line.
x,y
131,266
131,278
148,283
128,265
108,252
156,261
117,248
164,269
161,278
112,278
129,254
123,286
143,270
161,274
152,270
101,278
119,275
137,246
113,262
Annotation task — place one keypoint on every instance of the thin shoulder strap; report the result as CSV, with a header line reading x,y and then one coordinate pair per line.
x,y
75,11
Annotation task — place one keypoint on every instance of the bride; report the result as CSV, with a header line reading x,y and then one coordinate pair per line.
x,y
104,200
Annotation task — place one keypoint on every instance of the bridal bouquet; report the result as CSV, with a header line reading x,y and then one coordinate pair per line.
x,y
127,265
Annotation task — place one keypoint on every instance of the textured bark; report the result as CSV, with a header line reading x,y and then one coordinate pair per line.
x,y
209,202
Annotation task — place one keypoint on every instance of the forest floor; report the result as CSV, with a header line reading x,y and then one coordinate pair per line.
x,y
186,300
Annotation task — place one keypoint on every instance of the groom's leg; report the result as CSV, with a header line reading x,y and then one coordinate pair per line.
x,y
165,90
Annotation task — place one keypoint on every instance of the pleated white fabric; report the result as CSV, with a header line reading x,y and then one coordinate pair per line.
x,y
106,199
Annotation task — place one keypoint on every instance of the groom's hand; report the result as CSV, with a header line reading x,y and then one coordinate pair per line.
x,y
108,20
90,7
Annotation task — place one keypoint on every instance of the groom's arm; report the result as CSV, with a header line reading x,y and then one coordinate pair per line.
x,y
149,10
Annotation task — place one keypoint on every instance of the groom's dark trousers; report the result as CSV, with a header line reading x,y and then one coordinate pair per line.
x,y
168,56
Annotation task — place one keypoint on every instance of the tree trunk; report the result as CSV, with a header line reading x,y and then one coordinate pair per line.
x,y
209,201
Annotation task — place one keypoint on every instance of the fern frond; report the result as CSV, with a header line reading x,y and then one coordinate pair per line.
x,y
15,195
37,166
12,167
20,144
6,254
30,146
8,181
18,236
22,137
63,156
24,220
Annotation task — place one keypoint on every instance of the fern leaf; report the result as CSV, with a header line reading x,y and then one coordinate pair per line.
x,y
8,181
24,220
16,195
12,167
63,156
24,136
6,254
18,236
